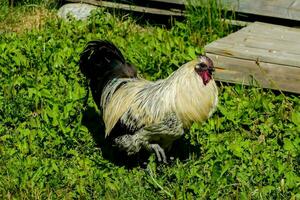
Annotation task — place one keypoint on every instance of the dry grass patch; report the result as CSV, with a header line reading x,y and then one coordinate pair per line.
x,y
24,18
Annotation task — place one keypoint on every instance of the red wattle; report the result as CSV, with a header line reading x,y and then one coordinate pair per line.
x,y
206,77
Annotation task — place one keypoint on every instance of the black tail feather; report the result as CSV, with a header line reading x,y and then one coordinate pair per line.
x,y
97,57
100,62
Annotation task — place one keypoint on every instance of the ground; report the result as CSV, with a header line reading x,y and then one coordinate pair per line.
x,y
51,148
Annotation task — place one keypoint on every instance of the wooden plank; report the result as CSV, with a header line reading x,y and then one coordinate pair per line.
x,y
252,53
289,10
287,42
171,12
253,67
272,30
273,27
260,54
262,74
129,7
264,42
236,22
268,46
178,2
294,10
285,9
272,35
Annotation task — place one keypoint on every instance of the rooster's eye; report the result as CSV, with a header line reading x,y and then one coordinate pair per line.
x,y
203,65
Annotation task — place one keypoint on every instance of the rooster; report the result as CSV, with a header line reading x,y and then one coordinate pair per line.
x,y
141,114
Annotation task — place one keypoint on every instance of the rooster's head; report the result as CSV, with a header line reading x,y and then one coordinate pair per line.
x,y
204,68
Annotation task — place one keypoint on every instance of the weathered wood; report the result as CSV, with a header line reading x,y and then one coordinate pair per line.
x,y
253,53
248,72
269,43
236,22
285,9
274,31
179,2
279,44
129,7
268,54
158,11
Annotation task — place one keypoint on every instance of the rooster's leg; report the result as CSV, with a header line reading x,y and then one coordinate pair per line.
x,y
132,144
154,138
159,152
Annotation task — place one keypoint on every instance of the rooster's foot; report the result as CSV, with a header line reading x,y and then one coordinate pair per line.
x,y
160,153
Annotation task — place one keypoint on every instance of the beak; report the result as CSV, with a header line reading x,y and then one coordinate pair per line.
x,y
211,70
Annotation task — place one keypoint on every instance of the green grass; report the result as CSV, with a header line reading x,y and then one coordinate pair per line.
x,y
249,149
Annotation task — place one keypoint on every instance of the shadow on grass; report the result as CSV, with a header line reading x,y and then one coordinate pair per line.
x,y
92,120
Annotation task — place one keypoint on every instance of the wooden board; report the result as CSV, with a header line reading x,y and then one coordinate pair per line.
x,y
260,54
130,7
179,2
285,9
143,9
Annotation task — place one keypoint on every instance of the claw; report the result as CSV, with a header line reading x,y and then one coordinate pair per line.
x,y
160,153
